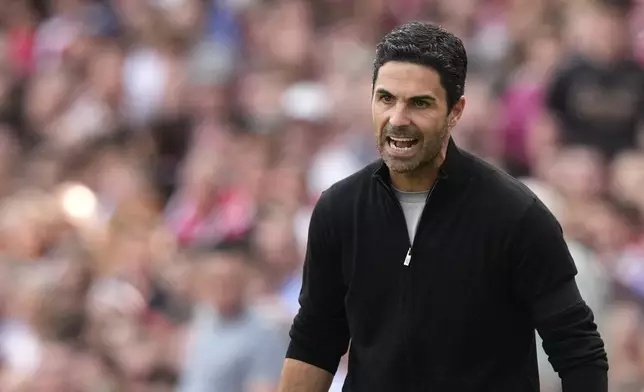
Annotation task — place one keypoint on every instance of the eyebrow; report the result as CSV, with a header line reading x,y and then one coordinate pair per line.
x,y
427,97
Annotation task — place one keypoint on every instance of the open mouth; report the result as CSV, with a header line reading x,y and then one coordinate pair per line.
x,y
401,144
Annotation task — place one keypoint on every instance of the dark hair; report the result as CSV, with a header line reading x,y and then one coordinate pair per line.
x,y
429,45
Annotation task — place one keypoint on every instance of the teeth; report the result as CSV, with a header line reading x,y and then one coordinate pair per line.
x,y
396,139
392,144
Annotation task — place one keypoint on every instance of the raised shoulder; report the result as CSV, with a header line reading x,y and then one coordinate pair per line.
x,y
338,201
500,193
345,191
569,65
354,182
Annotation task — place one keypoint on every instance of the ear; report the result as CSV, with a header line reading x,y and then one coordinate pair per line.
x,y
456,113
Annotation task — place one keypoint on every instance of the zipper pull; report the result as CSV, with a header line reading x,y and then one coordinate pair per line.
x,y
407,258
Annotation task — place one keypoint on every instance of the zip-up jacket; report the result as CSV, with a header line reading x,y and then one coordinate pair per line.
x,y
457,309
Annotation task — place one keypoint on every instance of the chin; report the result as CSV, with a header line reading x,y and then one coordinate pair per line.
x,y
402,166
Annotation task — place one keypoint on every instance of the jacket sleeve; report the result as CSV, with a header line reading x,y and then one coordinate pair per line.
x,y
544,282
319,333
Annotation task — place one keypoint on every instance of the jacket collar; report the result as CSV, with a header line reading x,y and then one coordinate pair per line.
x,y
454,167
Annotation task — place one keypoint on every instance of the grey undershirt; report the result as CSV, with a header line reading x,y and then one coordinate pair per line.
x,y
412,204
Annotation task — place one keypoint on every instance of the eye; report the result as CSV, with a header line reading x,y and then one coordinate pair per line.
x,y
386,98
421,104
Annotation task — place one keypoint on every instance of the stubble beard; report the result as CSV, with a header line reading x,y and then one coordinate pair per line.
x,y
428,156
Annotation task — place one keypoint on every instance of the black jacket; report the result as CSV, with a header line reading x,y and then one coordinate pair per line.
x,y
489,264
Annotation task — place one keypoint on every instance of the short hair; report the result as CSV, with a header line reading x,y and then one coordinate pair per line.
x,y
429,45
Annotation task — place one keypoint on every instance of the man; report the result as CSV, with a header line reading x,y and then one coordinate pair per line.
x,y
232,347
437,266
597,96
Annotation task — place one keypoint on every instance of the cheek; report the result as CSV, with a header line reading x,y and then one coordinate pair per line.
x,y
377,120
426,127
379,116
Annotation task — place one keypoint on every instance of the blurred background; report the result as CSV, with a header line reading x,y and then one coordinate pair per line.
x,y
159,160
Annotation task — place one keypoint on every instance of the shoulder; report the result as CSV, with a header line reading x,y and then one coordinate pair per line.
x,y
570,65
262,327
343,193
336,204
501,194
634,71
355,181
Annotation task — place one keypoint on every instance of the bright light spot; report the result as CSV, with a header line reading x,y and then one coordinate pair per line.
x,y
79,202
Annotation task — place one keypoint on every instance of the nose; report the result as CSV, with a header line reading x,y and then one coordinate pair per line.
x,y
398,116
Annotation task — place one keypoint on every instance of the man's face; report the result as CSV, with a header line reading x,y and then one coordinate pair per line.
x,y
410,116
223,281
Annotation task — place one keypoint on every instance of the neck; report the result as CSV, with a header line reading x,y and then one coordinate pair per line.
x,y
279,277
418,181
232,313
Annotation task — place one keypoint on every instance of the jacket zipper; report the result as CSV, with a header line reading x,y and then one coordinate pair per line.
x,y
405,277
411,243
407,259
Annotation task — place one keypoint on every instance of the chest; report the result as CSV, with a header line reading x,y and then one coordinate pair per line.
x,y
613,96
223,354
457,263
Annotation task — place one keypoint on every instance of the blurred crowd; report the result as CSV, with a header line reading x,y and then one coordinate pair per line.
x,y
159,160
